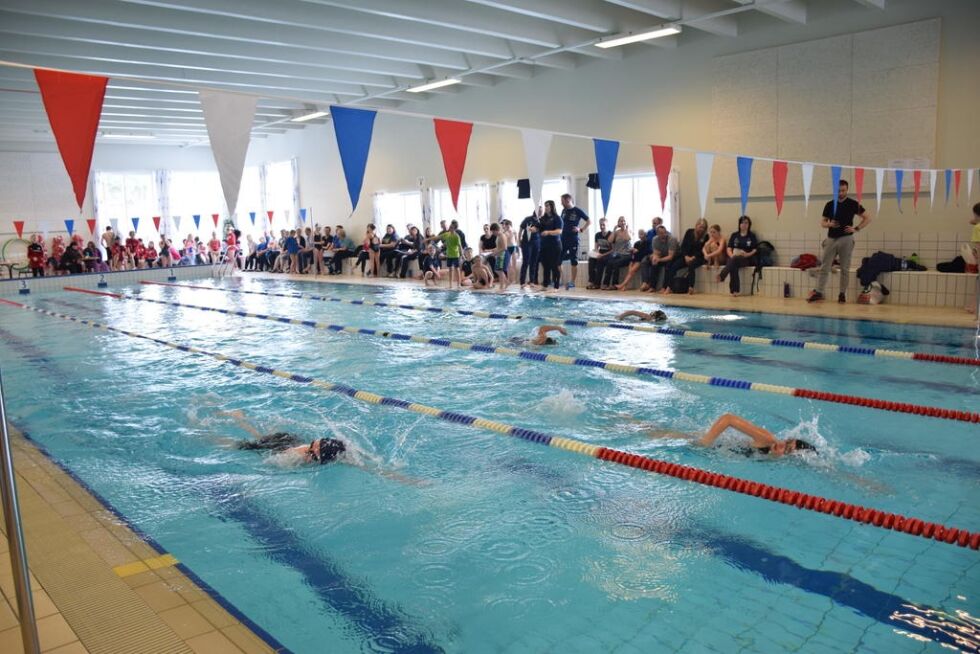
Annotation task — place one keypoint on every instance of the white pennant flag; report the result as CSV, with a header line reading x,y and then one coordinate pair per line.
x,y
969,183
807,169
704,162
932,187
536,146
228,117
879,187
114,222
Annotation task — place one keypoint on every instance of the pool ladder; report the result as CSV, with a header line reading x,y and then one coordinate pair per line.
x,y
15,534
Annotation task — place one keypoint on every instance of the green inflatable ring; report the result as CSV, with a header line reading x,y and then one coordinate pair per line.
x,y
3,253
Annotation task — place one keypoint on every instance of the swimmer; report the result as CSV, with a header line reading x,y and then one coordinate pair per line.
x,y
642,316
763,440
541,336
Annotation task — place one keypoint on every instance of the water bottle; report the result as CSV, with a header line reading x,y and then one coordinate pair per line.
x,y
905,264
786,291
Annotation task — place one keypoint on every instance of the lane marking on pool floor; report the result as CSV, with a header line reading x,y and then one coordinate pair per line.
x,y
666,331
145,565
528,355
856,513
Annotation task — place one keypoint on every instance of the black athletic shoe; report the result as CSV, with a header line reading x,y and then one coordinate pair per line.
x,y
841,299
815,296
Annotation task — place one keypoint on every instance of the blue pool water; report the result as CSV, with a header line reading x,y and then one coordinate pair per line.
x,y
454,539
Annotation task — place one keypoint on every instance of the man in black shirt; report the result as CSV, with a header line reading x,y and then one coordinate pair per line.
x,y
840,240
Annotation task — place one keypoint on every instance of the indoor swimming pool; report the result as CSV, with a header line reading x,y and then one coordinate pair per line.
x,y
448,537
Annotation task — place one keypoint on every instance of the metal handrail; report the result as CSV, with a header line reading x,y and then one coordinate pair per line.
x,y
15,535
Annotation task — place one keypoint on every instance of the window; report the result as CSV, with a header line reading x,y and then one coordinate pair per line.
x,y
517,210
474,209
124,196
635,197
279,196
196,193
250,200
398,209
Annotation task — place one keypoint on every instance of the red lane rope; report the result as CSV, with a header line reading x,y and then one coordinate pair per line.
x,y
846,510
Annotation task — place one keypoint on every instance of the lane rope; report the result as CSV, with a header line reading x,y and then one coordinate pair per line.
x,y
529,355
653,329
816,503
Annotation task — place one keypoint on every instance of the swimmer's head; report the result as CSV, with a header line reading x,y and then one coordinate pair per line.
x,y
325,450
788,446
658,316
549,341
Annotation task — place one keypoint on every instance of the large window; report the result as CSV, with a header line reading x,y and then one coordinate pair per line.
x,y
124,196
279,194
517,210
398,209
474,209
196,193
249,201
635,197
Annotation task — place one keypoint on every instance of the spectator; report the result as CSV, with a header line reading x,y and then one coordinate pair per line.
x,y
574,221
840,240
530,238
691,256
598,256
663,250
742,245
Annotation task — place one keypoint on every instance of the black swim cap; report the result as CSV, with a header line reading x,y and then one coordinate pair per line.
x,y
803,445
330,449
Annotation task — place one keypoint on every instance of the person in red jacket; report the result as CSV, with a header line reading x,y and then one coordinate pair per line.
x,y
35,256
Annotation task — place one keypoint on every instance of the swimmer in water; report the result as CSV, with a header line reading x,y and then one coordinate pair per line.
x,y
763,440
541,336
642,316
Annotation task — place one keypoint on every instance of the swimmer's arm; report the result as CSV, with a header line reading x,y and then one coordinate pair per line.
x,y
632,313
389,474
543,330
760,437
239,417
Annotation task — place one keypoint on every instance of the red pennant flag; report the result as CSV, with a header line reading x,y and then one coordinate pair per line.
x,y
858,183
663,155
454,141
19,226
73,104
270,216
156,223
91,225
214,217
917,181
956,184
779,170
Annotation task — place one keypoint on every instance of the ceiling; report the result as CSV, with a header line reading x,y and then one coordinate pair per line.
x,y
298,55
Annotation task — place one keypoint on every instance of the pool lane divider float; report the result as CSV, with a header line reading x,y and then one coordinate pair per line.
x,y
739,384
667,331
815,503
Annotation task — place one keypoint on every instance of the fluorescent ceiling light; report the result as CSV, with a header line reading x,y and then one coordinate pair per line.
x,y
128,136
312,116
631,37
434,85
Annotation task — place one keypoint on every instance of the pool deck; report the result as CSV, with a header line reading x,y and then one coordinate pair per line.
x,y
98,586
891,313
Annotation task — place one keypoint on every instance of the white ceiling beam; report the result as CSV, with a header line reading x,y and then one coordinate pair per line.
x,y
668,9
513,71
791,11
688,10
339,20
562,60
32,45
110,15
478,79
584,17
88,33
874,4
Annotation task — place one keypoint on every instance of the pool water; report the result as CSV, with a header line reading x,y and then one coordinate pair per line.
x,y
447,538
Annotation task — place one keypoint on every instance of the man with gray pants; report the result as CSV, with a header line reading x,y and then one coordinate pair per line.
x,y
840,240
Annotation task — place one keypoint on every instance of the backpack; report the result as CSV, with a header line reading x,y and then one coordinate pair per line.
x,y
805,262
680,284
766,252
873,293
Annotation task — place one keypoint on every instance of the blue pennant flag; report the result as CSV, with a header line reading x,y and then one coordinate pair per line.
x,y
70,224
744,179
136,224
949,182
899,177
197,221
302,214
251,214
835,183
353,128
606,153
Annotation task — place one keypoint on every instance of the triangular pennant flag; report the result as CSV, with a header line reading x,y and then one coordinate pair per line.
x,y
858,183
879,187
302,214
215,217
744,165
916,183
228,118
663,156
779,170
136,224
536,146
156,223
197,221
807,170
949,183
704,162
251,214
969,184
176,222
114,223
834,184
285,215
73,104
269,213
606,153
454,140
899,179
91,225
353,129
957,175
70,226
19,228
932,187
